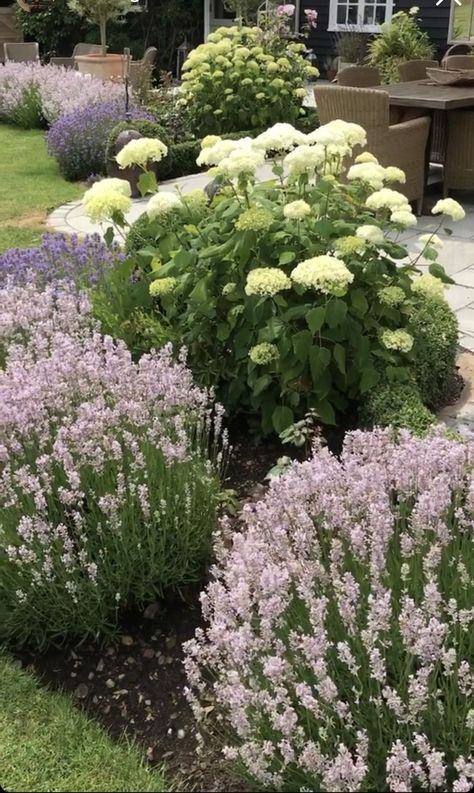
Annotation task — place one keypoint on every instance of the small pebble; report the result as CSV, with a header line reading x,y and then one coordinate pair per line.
x,y
73,674
148,702
90,676
127,641
170,642
110,683
100,666
181,734
148,653
81,691
151,611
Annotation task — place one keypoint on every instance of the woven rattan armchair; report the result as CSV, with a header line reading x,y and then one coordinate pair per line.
x,y
358,76
415,70
83,48
21,52
458,62
143,69
459,164
402,145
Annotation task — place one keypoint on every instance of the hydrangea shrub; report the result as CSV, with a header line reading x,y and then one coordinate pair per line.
x,y
288,293
244,78
108,494
338,647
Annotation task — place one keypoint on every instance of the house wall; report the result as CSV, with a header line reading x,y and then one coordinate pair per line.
x,y
434,19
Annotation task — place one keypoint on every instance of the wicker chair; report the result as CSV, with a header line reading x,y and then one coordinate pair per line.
x,y
80,49
21,52
459,165
415,70
458,62
402,145
143,67
358,76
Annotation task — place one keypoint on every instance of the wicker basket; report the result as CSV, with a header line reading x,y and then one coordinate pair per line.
x,y
451,76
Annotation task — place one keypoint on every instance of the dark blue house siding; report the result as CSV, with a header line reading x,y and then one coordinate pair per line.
x,y
434,19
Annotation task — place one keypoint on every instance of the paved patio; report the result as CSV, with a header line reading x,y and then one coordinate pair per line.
x,y
457,255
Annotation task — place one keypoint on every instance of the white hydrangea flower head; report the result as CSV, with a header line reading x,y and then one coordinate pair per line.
x,y
372,234
354,134
101,205
266,281
280,137
404,218
163,204
264,353
429,286
242,161
430,239
140,152
366,156
326,274
304,160
106,185
213,155
210,140
296,210
450,207
370,172
399,340
387,199
393,174
325,135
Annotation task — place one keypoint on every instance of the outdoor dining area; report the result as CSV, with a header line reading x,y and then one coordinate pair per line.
x,y
423,124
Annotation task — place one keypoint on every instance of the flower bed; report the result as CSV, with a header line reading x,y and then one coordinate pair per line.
x,y
338,650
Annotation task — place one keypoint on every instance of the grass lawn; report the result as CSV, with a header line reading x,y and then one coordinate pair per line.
x,y
30,186
47,745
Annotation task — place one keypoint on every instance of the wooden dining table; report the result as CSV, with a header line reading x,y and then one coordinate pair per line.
x,y
425,94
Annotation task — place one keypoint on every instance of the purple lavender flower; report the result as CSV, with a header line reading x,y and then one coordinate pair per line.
x,y
59,257
78,140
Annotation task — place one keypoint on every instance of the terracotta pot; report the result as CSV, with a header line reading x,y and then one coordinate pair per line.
x,y
105,67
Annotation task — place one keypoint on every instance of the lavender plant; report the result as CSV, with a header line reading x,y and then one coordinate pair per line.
x,y
339,645
78,140
32,94
107,493
59,257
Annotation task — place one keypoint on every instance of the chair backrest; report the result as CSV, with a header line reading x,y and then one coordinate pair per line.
x,y
459,62
2,52
83,48
358,76
415,70
21,52
149,57
369,108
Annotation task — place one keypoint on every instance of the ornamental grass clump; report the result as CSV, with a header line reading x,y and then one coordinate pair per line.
x,y
244,78
338,649
305,261
109,473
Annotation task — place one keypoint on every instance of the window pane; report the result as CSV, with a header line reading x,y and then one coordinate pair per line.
x,y
341,14
353,15
463,27
220,12
380,13
369,15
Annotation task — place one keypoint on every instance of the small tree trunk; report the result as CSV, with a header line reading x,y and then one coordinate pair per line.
x,y
103,35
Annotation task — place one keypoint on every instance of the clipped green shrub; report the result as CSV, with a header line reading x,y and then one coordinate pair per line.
x,y
396,405
435,330
148,129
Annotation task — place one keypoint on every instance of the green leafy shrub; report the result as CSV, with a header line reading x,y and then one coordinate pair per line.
x,y
287,293
435,329
244,75
397,405
148,129
401,40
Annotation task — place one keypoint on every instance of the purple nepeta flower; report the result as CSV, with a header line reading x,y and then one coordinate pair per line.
x,y
78,140
58,258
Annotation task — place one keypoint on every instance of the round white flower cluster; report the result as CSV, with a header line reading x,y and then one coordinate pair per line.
x,y
296,210
352,134
392,296
280,137
450,207
387,199
162,287
429,286
264,353
107,197
399,340
371,234
366,156
304,160
430,239
370,172
393,174
163,204
140,152
240,161
326,274
215,150
404,217
266,281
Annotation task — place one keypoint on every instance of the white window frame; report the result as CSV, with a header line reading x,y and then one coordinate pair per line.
x,y
209,19
452,40
334,25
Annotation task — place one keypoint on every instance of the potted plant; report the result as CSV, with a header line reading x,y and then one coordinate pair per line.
x,y
106,65
351,46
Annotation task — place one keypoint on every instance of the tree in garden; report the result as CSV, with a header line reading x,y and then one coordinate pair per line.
x,y
99,12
